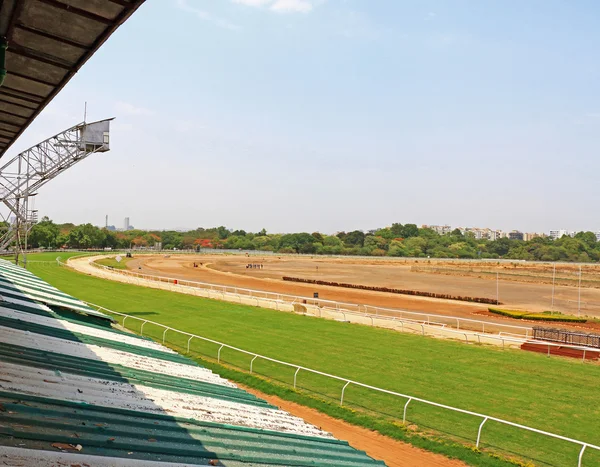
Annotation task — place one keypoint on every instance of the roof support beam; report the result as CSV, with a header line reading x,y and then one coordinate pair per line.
x,y
122,3
24,117
28,53
4,122
17,96
19,92
5,101
77,11
35,80
52,36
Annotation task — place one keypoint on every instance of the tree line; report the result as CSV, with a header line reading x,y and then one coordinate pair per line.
x,y
397,240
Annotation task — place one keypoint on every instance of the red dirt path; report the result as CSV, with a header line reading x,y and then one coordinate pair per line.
x,y
393,453
231,271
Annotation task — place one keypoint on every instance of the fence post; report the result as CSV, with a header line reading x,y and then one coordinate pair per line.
x,y
479,432
124,320
457,323
296,374
252,362
423,328
142,329
164,334
343,390
466,338
405,407
583,360
189,340
581,455
219,354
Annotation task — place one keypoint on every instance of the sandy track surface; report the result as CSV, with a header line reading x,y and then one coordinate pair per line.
x,y
393,453
232,271
182,268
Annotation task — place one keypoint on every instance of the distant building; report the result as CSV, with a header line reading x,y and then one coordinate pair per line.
x,y
531,235
112,228
597,236
496,235
515,235
479,234
556,234
483,234
440,229
126,224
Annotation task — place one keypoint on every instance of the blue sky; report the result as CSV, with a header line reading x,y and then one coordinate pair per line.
x,y
304,115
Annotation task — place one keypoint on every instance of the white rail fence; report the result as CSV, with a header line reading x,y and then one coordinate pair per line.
x,y
347,382
425,328
340,307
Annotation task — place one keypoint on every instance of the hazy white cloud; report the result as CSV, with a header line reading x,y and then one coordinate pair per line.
x,y
254,3
206,16
292,6
188,126
121,127
280,6
130,109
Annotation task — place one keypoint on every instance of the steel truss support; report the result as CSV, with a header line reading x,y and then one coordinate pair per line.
x,y
26,173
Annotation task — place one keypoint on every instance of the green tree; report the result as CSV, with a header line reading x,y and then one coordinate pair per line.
x,y
355,238
397,230
222,232
44,234
410,230
298,242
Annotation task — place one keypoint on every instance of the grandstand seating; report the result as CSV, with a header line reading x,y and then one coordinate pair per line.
x,y
91,391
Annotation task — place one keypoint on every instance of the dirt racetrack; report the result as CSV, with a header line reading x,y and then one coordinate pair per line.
x,y
231,270
393,453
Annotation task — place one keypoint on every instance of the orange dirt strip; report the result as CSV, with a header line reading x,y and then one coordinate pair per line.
x,y
393,453
231,271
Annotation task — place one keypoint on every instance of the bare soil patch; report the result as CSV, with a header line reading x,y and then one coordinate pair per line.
x,y
231,270
393,453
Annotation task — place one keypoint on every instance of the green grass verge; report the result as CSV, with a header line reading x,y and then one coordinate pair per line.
x,y
510,313
47,256
522,387
545,316
113,263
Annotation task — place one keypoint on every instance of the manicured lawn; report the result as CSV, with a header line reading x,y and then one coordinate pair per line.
x,y
113,263
49,256
553,394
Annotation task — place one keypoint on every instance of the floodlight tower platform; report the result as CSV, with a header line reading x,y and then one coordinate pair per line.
x,y
26,173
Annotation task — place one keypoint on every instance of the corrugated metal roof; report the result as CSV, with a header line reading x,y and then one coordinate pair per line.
x,y
48,42
78,392
19,284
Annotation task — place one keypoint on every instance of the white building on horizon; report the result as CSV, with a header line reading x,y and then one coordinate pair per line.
x,y
556,234
440,229
126,224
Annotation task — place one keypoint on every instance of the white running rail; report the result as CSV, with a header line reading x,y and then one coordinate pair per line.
x,y
379,312
484,418
428,327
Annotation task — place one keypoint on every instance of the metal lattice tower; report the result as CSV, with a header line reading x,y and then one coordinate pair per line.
x,y
26,173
